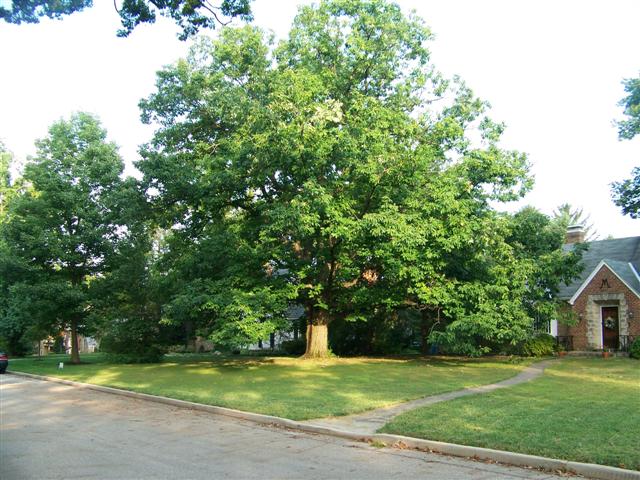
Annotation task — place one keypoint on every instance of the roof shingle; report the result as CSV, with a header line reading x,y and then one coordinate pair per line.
x,y
622,255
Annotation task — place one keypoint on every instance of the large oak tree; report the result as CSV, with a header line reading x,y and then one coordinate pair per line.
x,y
337,158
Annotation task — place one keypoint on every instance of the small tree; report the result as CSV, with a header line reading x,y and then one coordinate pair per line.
x,y
537,242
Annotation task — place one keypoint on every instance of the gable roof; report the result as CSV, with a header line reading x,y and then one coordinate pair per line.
x,y
625,272
621,255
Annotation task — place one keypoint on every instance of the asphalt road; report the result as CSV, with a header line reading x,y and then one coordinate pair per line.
x,y
54,431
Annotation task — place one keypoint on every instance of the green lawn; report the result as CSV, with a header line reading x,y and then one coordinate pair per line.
x,y
286,387
585,410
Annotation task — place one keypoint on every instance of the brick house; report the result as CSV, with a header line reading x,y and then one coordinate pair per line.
x,y
606,297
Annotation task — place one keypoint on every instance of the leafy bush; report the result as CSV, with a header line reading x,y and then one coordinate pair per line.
x,y
490,329
540,345
634,351
294,347
16,347
58,345
132,341
152,355
180,348
382,334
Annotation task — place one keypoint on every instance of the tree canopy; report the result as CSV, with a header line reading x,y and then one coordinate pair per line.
x,y
345,165
189,15
12,332
626,193
630,126
64,225
31,11
337,171
5,177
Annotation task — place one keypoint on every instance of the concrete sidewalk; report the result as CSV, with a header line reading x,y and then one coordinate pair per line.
x,y
55,431
371,421
479,454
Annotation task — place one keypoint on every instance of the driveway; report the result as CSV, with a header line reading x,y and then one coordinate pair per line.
x,y
54,431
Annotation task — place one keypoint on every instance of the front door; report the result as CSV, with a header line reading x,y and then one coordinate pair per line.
x,y
610,327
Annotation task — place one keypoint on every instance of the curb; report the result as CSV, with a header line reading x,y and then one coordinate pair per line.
x,y
590,470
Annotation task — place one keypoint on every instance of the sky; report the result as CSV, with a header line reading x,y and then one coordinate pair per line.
x,y
551,70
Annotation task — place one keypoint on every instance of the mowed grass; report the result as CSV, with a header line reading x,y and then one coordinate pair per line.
x,y
585,410
285,387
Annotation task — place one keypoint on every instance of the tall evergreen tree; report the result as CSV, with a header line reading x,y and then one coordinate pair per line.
x,y
566,216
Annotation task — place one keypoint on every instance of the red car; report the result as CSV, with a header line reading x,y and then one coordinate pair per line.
x,y
4,361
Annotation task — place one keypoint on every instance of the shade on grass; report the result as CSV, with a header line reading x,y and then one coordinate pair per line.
x,y
285,387
585,410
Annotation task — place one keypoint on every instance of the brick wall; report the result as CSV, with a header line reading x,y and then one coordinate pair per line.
x,y
604,289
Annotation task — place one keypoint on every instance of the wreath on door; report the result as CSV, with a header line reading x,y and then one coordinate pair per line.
x,y
610,323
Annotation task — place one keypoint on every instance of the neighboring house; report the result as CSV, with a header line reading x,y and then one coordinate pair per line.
x,y
48,345
274,341
606,297
44,347
85,344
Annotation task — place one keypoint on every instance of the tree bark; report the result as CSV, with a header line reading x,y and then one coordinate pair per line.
x,y
317,335
76,281
189,340
425,325
75,353
430,318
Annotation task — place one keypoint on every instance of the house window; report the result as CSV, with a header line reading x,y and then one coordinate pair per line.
x,y
541,326
553,328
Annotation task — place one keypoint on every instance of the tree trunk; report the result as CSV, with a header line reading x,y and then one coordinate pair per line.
x,y
425,324
189,340
317,335
75,353
272,341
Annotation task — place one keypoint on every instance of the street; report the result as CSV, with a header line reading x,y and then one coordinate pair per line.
x,y
54,431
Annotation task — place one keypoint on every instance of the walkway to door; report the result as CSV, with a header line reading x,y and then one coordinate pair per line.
x,y
371,421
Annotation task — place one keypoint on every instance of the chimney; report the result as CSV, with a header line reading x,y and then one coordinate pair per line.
x,y
575,234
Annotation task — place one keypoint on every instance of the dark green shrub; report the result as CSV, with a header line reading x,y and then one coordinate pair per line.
x,y
294,347
541,345
634,350
15,346
383,334
181,348
58,345
132,341
151,355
